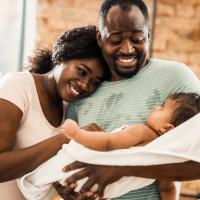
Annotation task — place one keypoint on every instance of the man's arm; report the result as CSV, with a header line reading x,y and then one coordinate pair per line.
x,y
173,172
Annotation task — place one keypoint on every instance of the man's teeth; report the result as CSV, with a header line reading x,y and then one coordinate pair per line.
x,y
74,91
127,60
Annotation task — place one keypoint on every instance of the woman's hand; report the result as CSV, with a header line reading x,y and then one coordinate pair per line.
x,y
97,174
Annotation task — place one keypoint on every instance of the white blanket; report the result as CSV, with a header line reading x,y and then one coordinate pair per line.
x,y
179,145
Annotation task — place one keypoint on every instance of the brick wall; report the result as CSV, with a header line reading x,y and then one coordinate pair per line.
x,y
177,33
55,16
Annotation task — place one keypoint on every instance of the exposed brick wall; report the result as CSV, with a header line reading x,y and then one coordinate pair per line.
x,y
177,33
55,16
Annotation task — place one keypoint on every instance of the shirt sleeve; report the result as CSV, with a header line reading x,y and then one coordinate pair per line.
x,y
12,89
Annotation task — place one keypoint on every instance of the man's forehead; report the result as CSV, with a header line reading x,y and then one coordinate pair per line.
x,y
127,31
118,20
116,12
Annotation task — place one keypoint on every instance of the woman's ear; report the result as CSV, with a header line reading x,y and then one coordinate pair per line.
x,y
99,38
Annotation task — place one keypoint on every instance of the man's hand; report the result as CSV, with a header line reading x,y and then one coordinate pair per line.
x,y
97,174
67,194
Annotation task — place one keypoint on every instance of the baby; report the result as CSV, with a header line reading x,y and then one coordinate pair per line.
x,y
176,109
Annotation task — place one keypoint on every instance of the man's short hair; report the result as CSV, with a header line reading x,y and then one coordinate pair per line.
x,y
124,5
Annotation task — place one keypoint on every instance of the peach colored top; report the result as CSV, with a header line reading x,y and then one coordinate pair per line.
x,y
19,88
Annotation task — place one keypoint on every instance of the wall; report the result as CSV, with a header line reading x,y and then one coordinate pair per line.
x,y
177,33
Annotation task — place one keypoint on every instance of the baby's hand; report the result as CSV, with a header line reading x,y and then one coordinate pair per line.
x,y
69,128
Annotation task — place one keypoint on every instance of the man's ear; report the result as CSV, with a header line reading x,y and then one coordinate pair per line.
x,y
149,35
99,38
166,128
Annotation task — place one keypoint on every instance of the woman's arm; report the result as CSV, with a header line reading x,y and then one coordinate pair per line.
x,y
15,163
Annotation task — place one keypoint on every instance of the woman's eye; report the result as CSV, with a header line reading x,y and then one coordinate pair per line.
x,y
81,71
95,83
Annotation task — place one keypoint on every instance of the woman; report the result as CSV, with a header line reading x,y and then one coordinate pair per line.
x,y
31,103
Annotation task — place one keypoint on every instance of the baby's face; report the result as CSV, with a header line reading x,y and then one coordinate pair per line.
x,y
161,115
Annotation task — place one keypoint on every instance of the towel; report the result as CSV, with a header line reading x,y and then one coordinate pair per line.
x,y
178,145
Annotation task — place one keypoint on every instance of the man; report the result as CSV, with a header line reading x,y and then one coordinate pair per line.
x,y
138,83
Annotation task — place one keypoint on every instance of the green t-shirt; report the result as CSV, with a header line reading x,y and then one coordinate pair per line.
x,y
130,100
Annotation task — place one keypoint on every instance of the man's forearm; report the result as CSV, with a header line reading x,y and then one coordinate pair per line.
x,y
173,172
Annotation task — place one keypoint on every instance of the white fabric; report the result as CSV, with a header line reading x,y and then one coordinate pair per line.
x,y
19,88
179,145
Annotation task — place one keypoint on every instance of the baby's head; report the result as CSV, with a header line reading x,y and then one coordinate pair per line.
x,y
176,109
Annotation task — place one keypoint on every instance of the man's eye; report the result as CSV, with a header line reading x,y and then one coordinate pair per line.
x,y
115,42
139,41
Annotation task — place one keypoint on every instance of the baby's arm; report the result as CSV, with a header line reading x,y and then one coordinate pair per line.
x,y
96,140
103,141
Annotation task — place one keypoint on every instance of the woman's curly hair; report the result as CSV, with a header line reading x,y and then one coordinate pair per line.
x,y
77,43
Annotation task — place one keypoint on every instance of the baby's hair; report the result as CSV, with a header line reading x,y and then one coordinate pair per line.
x,y
188,105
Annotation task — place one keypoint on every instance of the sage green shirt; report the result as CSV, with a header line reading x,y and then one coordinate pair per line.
x,y
130,100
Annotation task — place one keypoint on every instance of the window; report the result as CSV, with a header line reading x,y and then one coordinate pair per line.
x,y
17,33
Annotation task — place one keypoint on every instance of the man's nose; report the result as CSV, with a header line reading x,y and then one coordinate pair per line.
x,y
127,47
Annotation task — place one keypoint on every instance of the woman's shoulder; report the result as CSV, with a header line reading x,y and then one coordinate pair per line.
x,y
16,76
17,79
16,87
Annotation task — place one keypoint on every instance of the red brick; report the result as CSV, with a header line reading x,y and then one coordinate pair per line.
x,y
185,10
165,10
194,58
172,55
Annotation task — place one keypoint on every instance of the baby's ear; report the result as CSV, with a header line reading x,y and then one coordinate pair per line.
x,y
166,128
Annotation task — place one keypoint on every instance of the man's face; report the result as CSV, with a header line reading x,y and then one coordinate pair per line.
x,y
124,41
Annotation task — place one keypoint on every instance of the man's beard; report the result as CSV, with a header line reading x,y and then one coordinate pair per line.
x,y
126,74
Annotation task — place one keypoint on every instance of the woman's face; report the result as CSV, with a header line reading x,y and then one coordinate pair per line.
x,y
78,78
